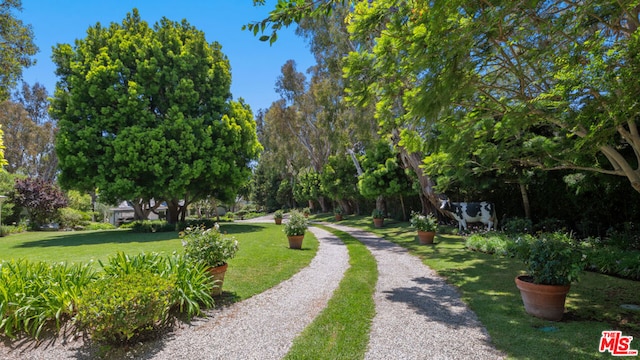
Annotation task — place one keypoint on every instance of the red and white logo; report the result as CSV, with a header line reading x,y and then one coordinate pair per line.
x,y
616,344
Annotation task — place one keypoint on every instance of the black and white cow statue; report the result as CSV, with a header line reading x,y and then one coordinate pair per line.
x,y
463,212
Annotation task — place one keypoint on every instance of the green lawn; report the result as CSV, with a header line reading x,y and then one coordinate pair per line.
x,y
487,284
263,259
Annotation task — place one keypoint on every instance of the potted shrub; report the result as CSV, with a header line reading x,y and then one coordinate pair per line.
x,y
426,226
211,248
306,212
295,228
378,217
552,263
277,216
338,213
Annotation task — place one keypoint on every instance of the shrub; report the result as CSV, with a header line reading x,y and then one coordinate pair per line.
x,y
193,285
36,294
70,218
517,226
130,307
551,259
550,225
208,246
147,226
99,226
296,225
208,223
424,222
490,243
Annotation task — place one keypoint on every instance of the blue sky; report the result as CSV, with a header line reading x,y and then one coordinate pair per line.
x,y
255,65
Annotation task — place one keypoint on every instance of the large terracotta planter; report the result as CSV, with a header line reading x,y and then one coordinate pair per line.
x,y
426,237
543,301
217,273
278,221
378,222
295,241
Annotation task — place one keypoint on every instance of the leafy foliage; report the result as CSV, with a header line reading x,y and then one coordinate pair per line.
x,y
192,283
146,226
34,295
551,259
18,46
40,198
296,225
424,222
208,246
129,307
146,113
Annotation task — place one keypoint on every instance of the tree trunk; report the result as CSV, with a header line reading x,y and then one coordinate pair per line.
x,y
142,208
525,200
173,211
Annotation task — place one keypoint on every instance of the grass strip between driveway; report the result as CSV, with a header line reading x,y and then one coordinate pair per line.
x,y
341,331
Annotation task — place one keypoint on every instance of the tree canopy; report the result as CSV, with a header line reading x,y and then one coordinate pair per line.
x,y
16,47
146,113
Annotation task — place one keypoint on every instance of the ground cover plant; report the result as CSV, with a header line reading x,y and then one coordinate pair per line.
x,y
260,264
486,282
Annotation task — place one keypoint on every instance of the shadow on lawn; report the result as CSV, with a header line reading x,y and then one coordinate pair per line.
x,y
122,237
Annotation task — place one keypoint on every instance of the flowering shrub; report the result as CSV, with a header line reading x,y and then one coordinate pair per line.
x,y
296,225
208,246
424,222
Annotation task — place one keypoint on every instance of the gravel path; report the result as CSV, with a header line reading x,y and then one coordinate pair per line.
x,y
418,315
261,327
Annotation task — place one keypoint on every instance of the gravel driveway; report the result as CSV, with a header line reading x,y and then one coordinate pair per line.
x,y
418,316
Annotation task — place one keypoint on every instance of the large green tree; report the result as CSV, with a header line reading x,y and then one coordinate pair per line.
x,y
544,84
16,46
145,114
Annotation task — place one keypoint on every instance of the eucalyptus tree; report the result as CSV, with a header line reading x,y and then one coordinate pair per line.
x,y
16,46
493,87
145,114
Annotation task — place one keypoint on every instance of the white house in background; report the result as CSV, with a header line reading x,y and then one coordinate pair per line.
x,y
125,213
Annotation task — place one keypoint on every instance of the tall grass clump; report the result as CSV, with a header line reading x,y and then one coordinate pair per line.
x,y
34,295
193,286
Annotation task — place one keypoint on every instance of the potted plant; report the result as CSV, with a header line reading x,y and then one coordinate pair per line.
x,y
277,216
426,226
338,213
378,217
295,228
552,263
211,248
306,212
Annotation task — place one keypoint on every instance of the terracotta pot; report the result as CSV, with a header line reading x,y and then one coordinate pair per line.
x,y
217,273
338,217
426,237
543,301
278,221
295,241
378,222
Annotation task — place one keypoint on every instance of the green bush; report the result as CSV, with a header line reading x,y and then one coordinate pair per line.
x,y
99,226
208,223
517,226
70,218
147,226
490,243
193,284
36,294
130,307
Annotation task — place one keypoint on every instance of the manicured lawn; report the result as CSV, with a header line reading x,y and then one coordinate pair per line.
x,y
341,331
263,259
487,284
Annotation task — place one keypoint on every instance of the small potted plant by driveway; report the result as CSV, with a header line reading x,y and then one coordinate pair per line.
x,y
211,248
338,213
277,216
427,225
378,218
295,228
552,263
